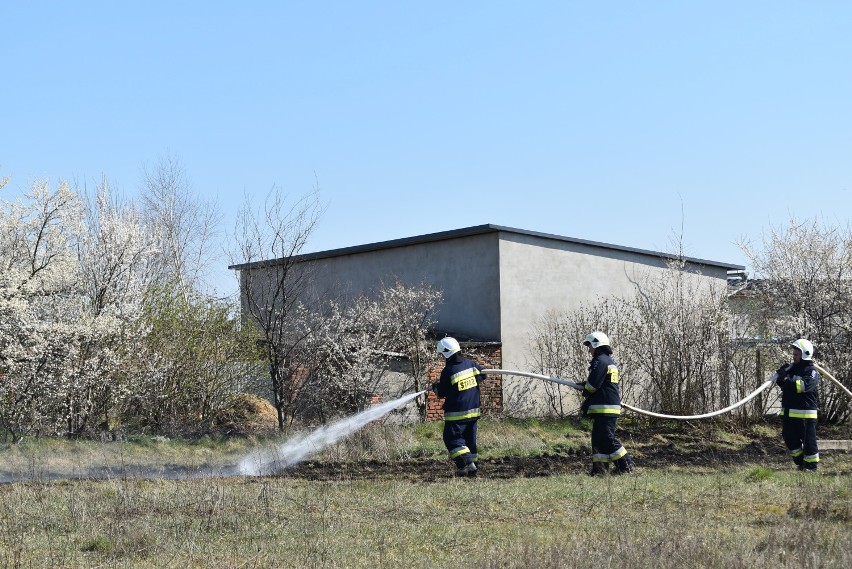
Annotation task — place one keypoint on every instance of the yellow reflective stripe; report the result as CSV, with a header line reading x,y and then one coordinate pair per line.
x,y
812,458
797,452
802,413
462,375
600,458
459,415
588,387
800,386
618,454
459,451
612,371
605,409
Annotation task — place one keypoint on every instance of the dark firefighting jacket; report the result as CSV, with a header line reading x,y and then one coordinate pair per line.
x,y
799,393
459,386
601,390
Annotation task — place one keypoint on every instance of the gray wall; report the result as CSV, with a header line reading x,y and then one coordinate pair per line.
x,y
497,285
539,274
465,269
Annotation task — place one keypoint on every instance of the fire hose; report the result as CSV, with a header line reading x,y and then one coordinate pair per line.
x,y
739,403
831,377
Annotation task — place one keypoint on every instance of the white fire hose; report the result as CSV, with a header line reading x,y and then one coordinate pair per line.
x,y
829,376
739,403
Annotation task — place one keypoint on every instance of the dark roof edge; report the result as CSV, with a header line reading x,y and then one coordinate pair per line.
x,y
475,230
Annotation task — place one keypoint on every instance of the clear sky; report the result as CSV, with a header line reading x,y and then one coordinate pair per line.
x,y
619,122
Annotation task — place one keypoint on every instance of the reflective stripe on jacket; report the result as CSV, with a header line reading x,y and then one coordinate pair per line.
x,y
800,413
459,386
601,388
799,390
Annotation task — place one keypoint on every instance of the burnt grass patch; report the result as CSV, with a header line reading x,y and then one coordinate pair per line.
x,y
654,446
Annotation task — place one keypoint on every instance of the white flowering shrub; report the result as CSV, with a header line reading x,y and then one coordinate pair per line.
x,y
802,288
97,332
347,348
71,288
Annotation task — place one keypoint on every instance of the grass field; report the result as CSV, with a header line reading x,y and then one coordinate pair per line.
x,y
685,513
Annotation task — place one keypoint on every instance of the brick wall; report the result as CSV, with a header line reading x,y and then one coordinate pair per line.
x,y
491,390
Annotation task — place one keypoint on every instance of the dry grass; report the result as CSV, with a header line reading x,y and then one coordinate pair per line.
x,y
51,458
654,519
752,515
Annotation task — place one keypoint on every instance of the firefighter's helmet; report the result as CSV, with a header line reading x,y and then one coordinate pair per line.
x,y
448,346
596,339
806,347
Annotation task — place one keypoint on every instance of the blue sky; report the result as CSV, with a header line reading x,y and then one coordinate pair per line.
x,y
619,122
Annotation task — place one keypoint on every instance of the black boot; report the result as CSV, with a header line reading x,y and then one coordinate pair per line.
x,y
624,465
468,470
599,469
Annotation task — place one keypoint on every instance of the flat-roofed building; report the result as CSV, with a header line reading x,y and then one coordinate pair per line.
x,y
497,282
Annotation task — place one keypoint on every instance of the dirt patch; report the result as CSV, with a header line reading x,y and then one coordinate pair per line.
x,y
653,448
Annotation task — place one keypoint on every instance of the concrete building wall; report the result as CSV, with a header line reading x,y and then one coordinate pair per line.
x,y
465,269
497,282
539,274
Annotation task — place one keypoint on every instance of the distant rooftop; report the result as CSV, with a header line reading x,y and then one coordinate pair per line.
x,y
476,230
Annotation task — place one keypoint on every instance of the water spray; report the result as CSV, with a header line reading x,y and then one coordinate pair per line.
x,y
256,463
269,461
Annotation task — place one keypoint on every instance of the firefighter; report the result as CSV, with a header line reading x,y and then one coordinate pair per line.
x,y
603,404
459,386
799,382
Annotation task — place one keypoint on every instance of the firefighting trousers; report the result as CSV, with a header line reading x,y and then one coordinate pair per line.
x,y
460,438
605,445
800,439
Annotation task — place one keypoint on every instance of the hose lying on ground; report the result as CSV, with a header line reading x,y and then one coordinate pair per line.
x,y
739,403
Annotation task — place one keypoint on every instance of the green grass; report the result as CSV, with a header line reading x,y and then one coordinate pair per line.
x,y
502,438
759,474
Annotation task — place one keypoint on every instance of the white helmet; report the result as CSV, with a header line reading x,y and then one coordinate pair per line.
x,y
596,339
448,346
806,347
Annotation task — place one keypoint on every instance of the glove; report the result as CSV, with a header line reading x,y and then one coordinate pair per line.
x,y
782,371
